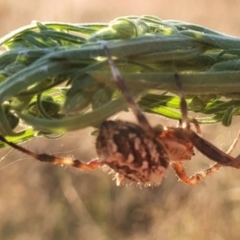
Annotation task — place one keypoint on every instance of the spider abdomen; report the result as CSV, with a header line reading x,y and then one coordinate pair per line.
x,y
131,153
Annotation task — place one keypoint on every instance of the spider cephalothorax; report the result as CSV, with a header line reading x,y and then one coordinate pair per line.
x,y
141,153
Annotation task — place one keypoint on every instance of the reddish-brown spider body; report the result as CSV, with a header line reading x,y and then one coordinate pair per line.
x,y
177,143
134,155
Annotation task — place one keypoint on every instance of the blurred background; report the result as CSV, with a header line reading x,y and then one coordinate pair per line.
x,y
42,201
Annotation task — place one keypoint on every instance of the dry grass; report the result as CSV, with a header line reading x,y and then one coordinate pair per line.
x,y
41,201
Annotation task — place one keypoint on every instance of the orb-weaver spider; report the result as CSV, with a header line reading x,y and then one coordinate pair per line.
x,y
141,153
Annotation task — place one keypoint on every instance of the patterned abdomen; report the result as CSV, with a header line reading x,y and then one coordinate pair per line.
x,y
131,153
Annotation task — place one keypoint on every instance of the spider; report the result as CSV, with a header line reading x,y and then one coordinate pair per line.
x,y
141,153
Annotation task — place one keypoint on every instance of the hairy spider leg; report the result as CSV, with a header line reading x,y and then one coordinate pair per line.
x,y
197,126
179,169
183,104
66,161
126,93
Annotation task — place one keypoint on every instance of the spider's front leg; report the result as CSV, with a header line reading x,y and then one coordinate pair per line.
x,y
66,161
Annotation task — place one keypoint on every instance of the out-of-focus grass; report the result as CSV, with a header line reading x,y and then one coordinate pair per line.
x,y
41,201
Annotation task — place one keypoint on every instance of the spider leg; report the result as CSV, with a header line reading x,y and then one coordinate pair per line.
x,y
183,177
126,93
179,169
67,161
183,104
195,123
197,126
184,122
